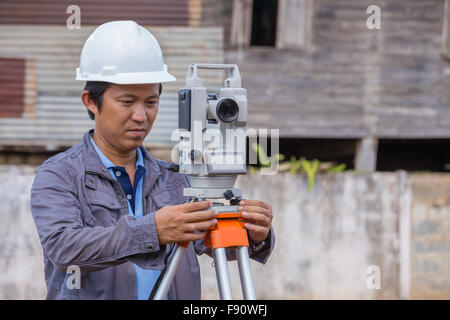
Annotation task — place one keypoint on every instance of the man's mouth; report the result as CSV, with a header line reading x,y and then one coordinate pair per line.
x,y
137,131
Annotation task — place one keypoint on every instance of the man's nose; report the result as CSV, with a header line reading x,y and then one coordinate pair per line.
x,y
139,114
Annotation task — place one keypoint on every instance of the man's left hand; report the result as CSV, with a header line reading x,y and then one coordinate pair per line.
x,y
259,218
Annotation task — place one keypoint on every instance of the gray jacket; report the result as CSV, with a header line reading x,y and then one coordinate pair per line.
x,y
82,219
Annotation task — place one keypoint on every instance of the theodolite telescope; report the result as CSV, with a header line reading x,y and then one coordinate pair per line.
x,y
212,152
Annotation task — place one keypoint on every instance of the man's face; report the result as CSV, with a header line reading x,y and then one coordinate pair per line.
x,y
127,114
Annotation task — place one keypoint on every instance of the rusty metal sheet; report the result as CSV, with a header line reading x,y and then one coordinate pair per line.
x,y
12,79
147,12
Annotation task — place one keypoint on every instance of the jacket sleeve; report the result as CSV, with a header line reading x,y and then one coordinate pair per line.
x,y
66,240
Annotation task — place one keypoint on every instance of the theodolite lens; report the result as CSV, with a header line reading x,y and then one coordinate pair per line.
x,y
227,110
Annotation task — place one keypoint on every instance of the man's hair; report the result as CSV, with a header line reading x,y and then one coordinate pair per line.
x,y
97,89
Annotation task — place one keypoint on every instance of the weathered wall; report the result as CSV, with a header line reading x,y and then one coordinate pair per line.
x,y
353,82
325,239
430,236
21,260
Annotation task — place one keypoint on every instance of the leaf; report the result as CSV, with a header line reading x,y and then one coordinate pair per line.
x,y
263,159
310,168
339,168
295,164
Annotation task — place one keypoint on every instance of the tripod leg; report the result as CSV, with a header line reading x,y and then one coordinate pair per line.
x,y
223,278
167,280
245,273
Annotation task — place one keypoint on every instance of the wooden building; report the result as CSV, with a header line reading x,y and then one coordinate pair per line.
x,y
339,89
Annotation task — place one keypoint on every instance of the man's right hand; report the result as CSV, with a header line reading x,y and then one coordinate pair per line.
x,y
184,222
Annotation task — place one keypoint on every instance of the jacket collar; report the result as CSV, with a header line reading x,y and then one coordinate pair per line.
x,y
94,164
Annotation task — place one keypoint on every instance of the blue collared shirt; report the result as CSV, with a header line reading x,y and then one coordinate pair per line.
x,y
145,279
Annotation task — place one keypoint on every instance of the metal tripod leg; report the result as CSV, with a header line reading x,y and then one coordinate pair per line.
x,y
167,280
245,273
223,277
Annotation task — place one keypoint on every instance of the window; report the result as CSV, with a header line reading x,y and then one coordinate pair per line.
x,y
283,24
413,155
264,23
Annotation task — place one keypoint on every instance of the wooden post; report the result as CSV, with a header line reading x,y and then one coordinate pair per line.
x,y
241,23
405,234
30,89
294,24
446,31
366,154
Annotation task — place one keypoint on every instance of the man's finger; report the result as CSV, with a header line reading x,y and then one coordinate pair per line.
x,y
259,209
260,218
201,226
199,236
258,203
195,236
195,206
255,228
200,215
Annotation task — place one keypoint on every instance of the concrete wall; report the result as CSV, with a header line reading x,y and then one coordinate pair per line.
x,y
328,238
21,260
328,241
430,236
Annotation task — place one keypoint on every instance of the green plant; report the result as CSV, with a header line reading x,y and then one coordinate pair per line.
x,y
263,159
310,169
293,166
338,168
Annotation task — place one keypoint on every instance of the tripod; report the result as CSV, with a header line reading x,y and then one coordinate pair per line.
x,y
227,234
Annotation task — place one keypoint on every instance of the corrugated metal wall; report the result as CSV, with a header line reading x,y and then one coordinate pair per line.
x,y
218,13
145,12
60,119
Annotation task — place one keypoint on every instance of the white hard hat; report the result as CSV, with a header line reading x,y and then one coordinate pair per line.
x,y
122,52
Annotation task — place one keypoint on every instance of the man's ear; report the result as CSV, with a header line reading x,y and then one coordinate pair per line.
x,y
89,103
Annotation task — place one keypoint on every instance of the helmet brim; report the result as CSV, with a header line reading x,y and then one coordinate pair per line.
x,y
129,78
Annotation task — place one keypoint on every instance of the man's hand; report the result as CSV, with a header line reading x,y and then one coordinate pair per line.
x,y
184,222
259,218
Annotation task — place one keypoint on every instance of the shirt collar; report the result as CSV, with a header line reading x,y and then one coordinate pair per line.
x,y
140,158
94,165
108,164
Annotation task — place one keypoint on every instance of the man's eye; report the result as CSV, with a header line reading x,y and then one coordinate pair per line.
x,y
127,101
152,102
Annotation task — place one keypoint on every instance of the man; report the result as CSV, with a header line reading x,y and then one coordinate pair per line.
x,y
105,205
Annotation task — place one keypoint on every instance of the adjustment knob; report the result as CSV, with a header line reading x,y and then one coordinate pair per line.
x,y
228,194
